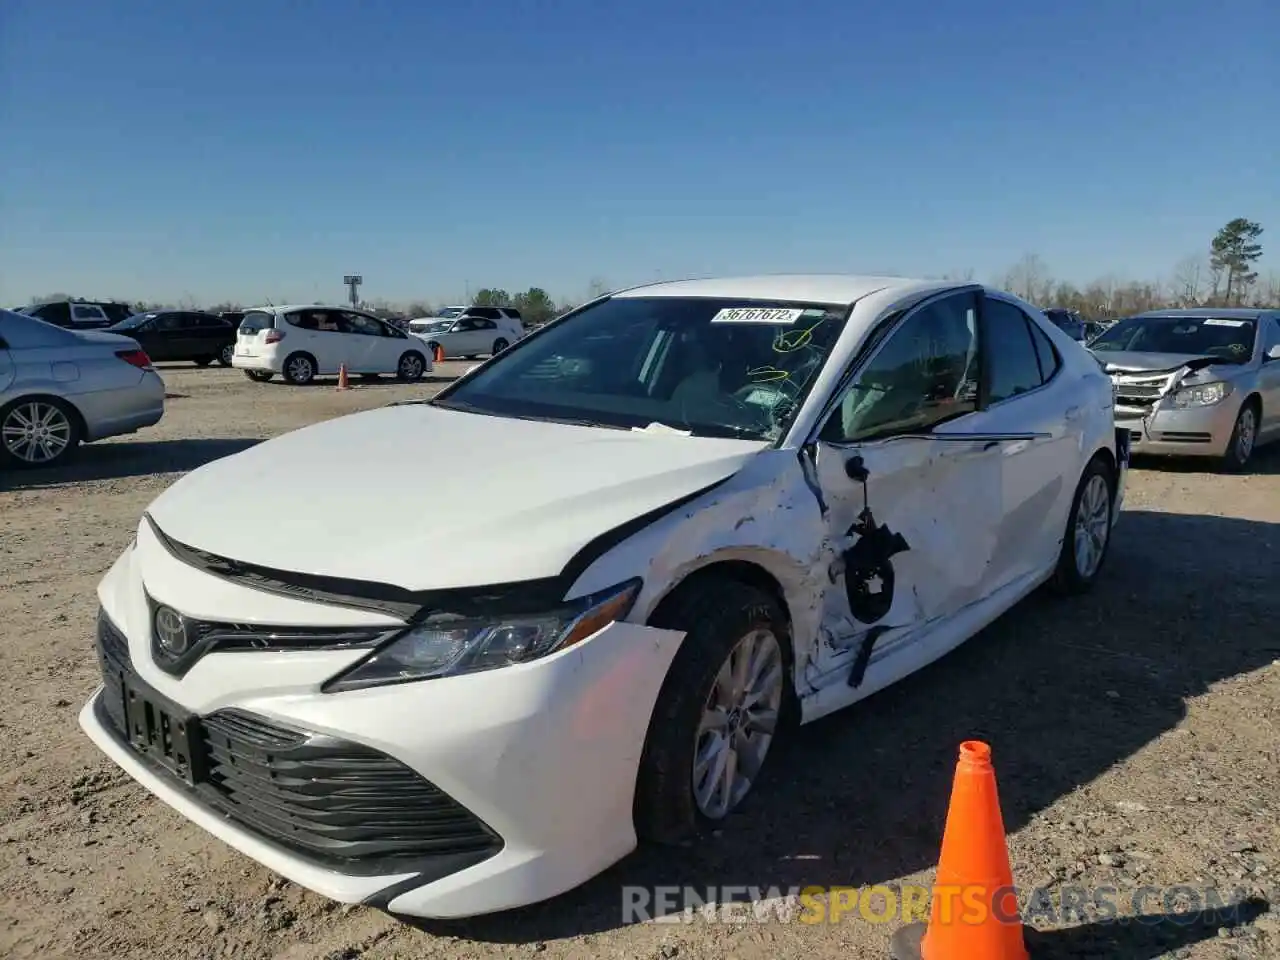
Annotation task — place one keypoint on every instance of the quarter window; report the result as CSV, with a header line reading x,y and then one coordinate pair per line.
x,y
924,374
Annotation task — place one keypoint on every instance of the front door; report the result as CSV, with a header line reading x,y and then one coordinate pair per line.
x,y
1269,379
911,486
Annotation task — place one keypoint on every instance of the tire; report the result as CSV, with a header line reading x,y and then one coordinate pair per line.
x,y
411,367
299,369
225,355
498,346
203,361
259,376
1244,438
38,432
1078,569
720,616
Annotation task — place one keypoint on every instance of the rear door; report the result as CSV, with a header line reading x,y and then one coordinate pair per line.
x,y
1025,398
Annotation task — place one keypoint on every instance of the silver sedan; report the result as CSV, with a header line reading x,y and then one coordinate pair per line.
x,y
61,387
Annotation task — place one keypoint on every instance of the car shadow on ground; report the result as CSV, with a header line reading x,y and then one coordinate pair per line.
x,y
1062,688
129,458
1265,462
358,382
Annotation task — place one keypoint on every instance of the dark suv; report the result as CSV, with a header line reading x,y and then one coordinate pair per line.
x,y
80,314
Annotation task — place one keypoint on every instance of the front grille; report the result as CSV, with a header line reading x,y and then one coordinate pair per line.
x,y
339,803
331,798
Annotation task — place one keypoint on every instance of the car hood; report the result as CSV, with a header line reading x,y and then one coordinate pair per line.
x,y
1127,361
426,498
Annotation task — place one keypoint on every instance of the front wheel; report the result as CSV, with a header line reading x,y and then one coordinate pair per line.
x,y
411,366
498,346
1244,436
1088,535
719,710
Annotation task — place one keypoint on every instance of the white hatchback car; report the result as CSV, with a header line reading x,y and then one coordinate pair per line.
x,y
681,516
480,330
306,341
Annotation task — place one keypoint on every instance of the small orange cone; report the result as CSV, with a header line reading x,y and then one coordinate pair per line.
x,y
974,913
342,378
437,355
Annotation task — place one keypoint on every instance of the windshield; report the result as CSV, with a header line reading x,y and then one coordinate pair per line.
x,y
434,326
451,313
1231,340
720,368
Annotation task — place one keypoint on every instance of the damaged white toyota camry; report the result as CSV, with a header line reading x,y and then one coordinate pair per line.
x,y
669,523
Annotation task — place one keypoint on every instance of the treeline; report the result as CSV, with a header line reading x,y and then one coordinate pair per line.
x,y
1224,276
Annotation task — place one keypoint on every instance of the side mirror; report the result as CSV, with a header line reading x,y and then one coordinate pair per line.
x,y
1273,353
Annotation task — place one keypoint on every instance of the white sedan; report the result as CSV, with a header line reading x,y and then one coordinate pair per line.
x,y
682,516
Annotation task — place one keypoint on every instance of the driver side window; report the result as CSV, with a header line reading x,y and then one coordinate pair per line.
x,y
923,374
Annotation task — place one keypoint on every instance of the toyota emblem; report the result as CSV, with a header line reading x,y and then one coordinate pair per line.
x,y
171,632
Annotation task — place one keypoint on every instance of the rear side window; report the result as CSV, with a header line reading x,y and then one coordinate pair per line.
x,y
256,321
88,313
1012,364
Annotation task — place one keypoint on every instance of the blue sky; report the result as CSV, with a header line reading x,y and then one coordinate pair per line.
x,y
261,150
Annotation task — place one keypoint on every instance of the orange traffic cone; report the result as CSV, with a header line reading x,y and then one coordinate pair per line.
x,y
437,355
974,913
342,378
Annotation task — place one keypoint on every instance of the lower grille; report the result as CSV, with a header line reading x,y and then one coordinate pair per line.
x,y
1186,437
341,804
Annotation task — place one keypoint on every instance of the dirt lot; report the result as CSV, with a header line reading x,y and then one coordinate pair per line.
x,y
1136,736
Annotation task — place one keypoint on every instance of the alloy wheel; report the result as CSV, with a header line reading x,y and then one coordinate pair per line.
x,y
1093,525
36,432
738,723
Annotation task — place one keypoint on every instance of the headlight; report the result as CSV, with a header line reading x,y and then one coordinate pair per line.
x,y
1203,396
451,645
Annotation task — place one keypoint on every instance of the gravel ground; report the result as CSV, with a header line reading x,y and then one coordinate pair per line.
x,y
1136,736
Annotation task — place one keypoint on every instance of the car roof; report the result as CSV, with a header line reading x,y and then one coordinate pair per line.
x,y
290,307
813,288
1224,313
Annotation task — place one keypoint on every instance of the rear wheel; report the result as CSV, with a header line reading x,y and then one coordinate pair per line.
x,y
259,376
38,432
1244,436
1088,536
299,369
719,710
225,354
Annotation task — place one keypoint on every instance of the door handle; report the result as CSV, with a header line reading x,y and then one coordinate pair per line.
x,y
990,445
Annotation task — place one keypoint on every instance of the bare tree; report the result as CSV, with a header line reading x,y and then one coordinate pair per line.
x,y
1189,281
1028,279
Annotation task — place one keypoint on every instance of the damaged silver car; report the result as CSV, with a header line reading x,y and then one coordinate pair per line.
x,y
1201,383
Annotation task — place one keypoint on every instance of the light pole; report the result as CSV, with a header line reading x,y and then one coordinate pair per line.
x,y
353,281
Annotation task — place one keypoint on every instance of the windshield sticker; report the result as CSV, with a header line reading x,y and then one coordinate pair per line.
x,y
1215,322
772,315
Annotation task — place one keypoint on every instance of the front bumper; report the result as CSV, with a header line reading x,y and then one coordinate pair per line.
x,y
544,755
1192,432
